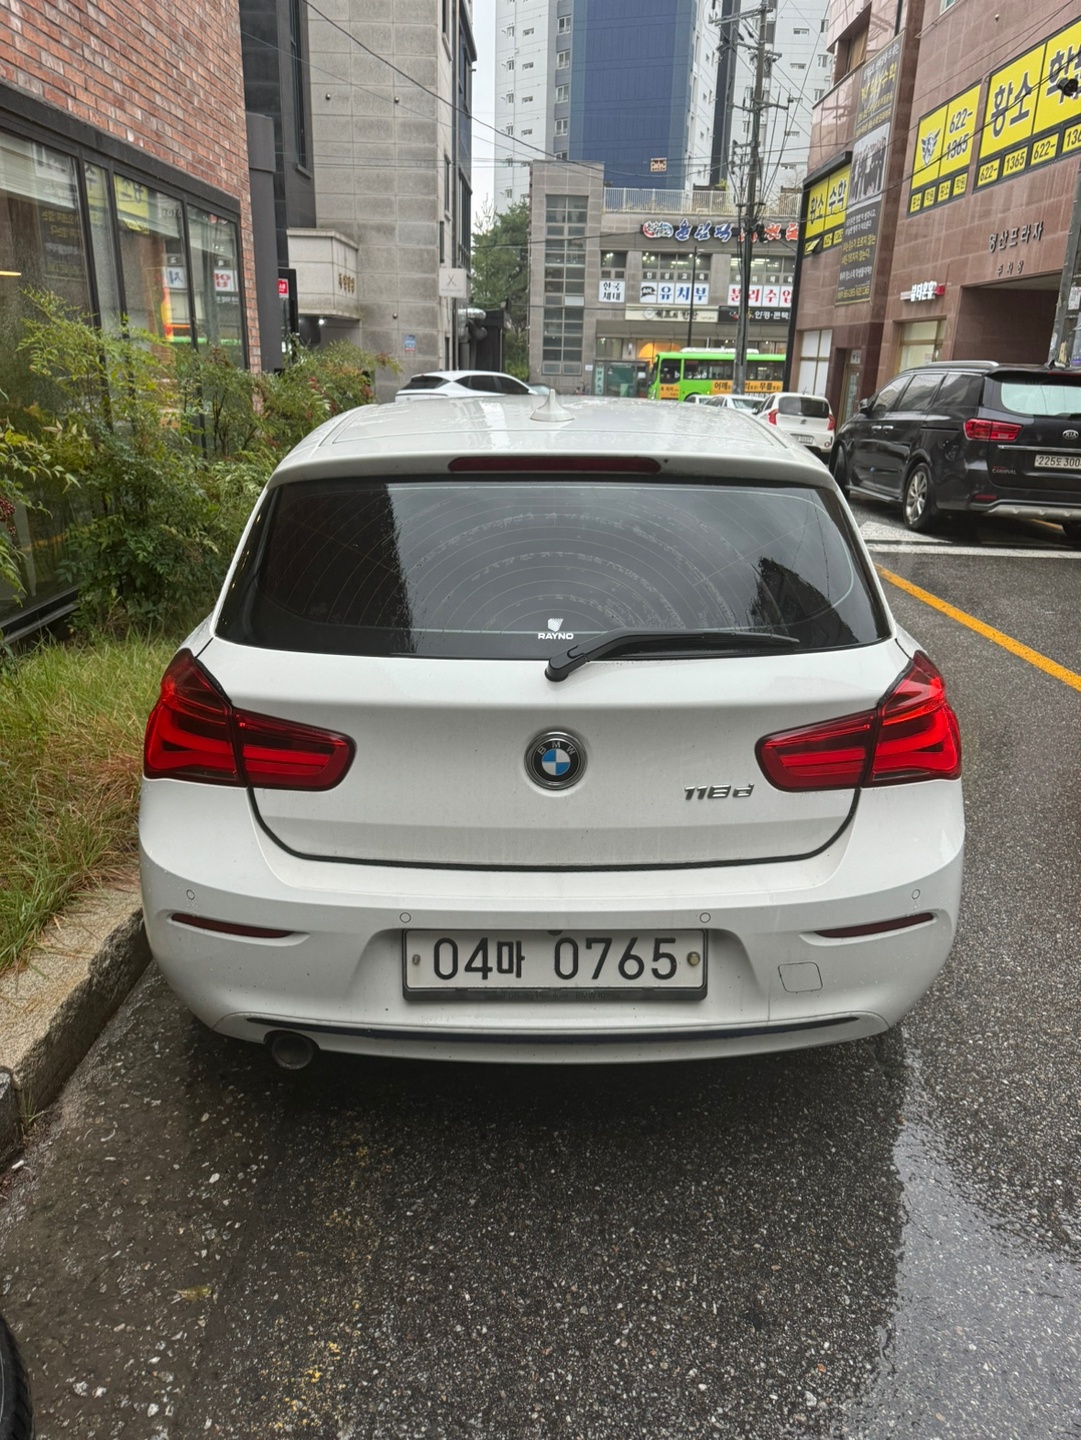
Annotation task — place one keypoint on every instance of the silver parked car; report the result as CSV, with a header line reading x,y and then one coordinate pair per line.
x,y
570,731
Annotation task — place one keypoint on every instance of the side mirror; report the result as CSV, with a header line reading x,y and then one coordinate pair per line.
x,y
864,407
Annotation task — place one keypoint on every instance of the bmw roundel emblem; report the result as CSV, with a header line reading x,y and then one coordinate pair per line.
x,y
555,761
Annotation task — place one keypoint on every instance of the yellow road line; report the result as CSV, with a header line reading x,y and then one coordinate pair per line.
x,y
1049,667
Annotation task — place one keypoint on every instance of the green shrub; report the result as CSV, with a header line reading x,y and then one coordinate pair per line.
x,y
24,462
147,546
168,449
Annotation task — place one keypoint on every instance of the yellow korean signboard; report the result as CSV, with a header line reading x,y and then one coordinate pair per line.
x,y
944,144
1029,119
826,205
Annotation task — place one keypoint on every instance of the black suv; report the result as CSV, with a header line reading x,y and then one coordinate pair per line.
x,y
969,436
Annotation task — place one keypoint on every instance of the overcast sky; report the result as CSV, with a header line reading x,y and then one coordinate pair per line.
x,y
483,105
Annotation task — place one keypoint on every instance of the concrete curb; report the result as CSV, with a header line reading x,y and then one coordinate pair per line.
x,y
52,1011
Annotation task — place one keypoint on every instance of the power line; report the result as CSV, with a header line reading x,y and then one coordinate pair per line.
x,y
539,151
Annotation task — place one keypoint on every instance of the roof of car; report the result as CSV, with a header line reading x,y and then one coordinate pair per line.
x,y
456,374
687,439
983,366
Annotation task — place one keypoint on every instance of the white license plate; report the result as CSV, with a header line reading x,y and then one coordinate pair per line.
x,y
1058,462
437,961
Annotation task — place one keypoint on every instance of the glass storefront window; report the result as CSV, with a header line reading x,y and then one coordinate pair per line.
x,y
101,244
772,270
41,248
41,235
920,343
215,262
152,261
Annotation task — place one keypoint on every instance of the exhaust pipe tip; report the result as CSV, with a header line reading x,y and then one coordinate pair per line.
x,y
290,1050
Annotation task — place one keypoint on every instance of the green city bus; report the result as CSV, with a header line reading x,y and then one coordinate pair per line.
x,y
679,374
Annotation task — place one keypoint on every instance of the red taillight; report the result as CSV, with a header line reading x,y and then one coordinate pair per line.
x,y
831,756
918,737
194,733
188,735
1002,431
831,423
911,735
771,417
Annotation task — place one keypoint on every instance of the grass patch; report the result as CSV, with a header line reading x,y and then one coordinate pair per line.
x,y
71,731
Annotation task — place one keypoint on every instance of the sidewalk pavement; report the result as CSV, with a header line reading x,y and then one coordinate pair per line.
x,y
52,1011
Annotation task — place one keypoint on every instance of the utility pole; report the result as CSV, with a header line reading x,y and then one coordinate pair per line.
x,y
690,312
749,220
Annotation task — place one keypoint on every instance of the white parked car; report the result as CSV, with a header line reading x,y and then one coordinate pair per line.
x,y
806,418
574,731
461,384
750,403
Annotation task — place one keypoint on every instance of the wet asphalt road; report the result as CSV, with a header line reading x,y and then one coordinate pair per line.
x,y
874,1240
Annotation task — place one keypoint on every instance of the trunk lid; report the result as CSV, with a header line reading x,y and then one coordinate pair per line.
x,y
1043,464
441,778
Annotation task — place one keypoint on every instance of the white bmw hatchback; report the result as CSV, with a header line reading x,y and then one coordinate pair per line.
x,y
575,732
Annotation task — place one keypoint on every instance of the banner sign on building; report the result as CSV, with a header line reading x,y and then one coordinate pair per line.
x,y
724,230
767,297
1029,119
826,206
672,292
870,152
944,145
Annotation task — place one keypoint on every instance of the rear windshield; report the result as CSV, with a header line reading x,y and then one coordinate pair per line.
x,y
425,382
809,405
1035,394
499,568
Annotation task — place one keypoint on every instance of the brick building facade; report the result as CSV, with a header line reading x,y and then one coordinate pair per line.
x,y
964,242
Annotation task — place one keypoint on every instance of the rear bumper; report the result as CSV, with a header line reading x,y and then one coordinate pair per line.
x,y
1031,510
820,444
1016,496
774,983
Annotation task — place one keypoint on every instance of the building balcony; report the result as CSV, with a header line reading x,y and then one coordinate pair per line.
x,y
326,264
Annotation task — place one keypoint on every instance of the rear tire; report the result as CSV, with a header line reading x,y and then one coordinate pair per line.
x,y
918,501
1072,530
840,471
16,1412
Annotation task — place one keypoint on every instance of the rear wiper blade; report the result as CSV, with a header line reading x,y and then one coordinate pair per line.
x,y
664,645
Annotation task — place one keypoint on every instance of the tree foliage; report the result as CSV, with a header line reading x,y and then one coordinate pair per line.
x,y
500,270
